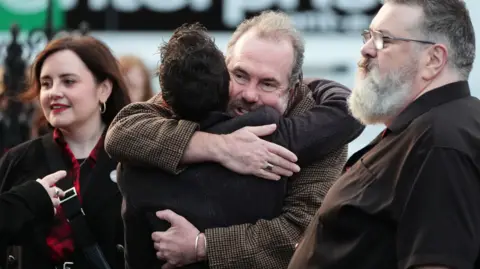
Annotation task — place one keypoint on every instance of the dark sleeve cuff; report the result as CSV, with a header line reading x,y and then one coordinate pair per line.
x,y
36,199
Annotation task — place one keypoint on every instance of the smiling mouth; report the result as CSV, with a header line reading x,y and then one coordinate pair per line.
x,y
58,108
241,111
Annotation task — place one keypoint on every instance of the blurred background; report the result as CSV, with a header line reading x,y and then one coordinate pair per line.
x,y
135,28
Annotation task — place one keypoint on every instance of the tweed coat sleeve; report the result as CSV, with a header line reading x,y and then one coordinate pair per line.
x,y
144,133
271,243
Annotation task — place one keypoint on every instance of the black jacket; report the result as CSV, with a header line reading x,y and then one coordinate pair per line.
x,y
101,203
20,206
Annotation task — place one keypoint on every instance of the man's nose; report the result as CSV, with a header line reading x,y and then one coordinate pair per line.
x,y
250,95
368,49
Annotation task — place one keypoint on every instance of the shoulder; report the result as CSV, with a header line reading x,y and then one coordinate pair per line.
x,y
323,87
24,149
318,83
21,163
454,125
261,116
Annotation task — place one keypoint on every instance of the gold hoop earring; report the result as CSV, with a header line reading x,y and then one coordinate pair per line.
x,y
103,107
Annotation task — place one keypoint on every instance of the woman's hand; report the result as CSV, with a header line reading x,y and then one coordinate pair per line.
x,y
48,182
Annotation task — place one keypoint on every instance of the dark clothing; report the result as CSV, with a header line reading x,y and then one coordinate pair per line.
x,y
20,206
209,195
101,202
60,240
411,197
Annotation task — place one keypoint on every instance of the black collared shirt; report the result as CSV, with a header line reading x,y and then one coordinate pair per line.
x,y
411,197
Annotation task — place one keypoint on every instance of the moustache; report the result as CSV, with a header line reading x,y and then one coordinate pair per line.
x,y
242,104
365,64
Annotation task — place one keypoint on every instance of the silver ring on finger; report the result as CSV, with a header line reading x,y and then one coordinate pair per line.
x,y
57,191
268,167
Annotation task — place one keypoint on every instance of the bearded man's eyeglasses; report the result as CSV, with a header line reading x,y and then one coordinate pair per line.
x,y
379,39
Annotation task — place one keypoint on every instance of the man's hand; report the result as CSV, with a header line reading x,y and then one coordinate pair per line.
x,y
48,182
177,244
244,152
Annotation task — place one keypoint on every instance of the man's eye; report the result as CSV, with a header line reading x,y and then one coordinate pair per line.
x,y
239,78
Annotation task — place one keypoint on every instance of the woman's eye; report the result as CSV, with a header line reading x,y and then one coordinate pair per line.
x,y
69,81
44,84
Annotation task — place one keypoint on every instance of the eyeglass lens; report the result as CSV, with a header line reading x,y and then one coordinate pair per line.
x,y
377,38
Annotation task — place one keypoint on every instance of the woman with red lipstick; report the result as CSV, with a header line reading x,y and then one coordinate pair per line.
x,y
80,88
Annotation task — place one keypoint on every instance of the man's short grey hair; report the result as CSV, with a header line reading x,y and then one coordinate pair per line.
x,y
448,22
274,24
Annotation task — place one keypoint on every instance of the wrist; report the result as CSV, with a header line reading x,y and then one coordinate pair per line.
x,y
202,247
217,148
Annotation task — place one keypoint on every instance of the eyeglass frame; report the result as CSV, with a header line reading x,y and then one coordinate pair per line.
x,y
380,46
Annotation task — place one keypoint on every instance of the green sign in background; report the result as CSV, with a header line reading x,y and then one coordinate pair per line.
x,y
28,14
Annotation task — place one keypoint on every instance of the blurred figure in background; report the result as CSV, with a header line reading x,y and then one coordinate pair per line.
x,y
137,77
39,124
14,125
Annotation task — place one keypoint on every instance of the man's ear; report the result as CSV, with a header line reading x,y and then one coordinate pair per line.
x,y
435,61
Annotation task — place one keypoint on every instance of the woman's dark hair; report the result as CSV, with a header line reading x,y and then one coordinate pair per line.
x,y
193,75
99,60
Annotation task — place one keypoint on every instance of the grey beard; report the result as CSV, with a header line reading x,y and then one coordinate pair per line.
x,y
377,100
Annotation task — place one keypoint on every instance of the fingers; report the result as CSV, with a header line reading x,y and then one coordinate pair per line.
x,y
262,130
53,178
157,236
267,175
169,216
283,153
55,192
59,192
168,266
282,166
278,170
55,202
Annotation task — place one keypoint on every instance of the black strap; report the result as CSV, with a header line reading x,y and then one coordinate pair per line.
x,y
82,236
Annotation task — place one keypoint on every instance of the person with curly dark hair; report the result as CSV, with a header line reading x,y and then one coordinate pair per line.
x,y
193,74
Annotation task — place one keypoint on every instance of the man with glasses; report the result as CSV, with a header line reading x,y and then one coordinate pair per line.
x,y
411,198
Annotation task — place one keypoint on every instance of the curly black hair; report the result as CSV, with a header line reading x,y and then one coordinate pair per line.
x,y
193,75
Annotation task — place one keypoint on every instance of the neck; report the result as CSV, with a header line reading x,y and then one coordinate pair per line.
x,y
444,79
83,139
428,86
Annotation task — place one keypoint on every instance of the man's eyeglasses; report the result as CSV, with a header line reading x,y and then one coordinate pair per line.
x,y
379,38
